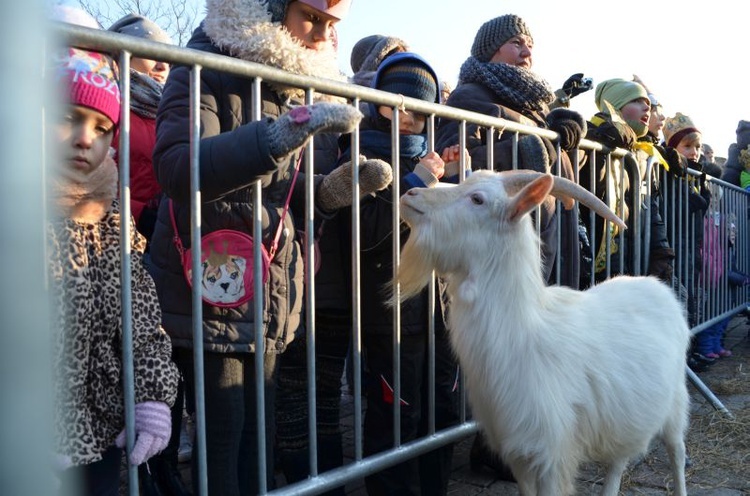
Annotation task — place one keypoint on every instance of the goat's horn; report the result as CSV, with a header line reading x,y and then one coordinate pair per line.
x,y
564,189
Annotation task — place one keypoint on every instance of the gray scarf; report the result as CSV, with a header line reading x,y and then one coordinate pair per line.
x,y
145,94
522,89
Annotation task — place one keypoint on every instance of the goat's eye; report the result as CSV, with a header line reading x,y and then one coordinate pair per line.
x,y
477,199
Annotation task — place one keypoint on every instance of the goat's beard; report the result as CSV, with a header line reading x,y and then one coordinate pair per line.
x,y
415,270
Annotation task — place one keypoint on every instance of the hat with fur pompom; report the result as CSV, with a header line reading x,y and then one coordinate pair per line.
x,y
336,8
676,128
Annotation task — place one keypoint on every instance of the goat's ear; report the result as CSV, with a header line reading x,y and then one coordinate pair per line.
x,y
531,196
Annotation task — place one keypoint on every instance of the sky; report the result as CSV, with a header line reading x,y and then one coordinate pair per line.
x,y
693,57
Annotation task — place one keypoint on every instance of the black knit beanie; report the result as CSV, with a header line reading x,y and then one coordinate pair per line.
x,y
493,34
743,134
409,77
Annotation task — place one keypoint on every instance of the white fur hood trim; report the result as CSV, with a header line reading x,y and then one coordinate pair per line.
x,y
244,29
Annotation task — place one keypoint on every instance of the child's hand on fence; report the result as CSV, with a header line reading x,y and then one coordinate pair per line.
x,y
430,169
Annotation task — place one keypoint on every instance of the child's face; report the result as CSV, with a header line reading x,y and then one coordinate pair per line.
x,y
84,136
690,147
408,122
656,121
312,28
637,110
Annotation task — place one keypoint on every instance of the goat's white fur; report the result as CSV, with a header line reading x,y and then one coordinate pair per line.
x,y
554,376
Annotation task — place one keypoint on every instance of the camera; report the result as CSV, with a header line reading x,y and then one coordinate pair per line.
x,y
587,83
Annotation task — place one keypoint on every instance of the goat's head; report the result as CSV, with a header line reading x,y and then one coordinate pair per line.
x,y
454,226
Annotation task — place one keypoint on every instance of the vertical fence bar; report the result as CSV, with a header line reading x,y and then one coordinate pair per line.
x,y
197,293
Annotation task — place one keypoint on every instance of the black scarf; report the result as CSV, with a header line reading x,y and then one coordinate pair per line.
x,y
522,89
145,94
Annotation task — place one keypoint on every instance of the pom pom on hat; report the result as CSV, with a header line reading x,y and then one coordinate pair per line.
x,y
140,27
370,51
409,75
494,33
618,92
91,80
676,128
335,8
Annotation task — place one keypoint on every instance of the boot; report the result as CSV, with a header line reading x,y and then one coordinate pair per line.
x,y
481,455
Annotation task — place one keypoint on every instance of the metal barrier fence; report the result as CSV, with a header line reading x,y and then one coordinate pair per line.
x,y
711,299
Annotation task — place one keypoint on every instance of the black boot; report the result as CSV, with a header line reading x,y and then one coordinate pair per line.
x,y
481,456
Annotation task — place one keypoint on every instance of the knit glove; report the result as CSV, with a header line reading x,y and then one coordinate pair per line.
x,y
153,426
569,124
677,164
533,154
335,191
293,129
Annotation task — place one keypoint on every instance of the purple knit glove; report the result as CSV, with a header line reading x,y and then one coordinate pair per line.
x,y
153,426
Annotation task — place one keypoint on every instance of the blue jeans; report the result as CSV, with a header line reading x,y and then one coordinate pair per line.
x,y
709,340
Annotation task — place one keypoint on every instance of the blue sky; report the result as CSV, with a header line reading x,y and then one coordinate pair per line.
x,y
693,57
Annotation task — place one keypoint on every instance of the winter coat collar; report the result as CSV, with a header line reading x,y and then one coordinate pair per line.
x,y
243,28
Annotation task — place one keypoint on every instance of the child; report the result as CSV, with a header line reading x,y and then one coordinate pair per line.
x,y
84,257
709,341
409,75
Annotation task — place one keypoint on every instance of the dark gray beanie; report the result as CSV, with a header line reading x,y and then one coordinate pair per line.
x,y
370,51
141,27
743,135
493,34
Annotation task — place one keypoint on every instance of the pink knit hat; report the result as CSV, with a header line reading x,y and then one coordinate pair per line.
x,y
91,78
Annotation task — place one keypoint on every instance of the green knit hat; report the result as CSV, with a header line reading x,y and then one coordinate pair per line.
x,y
618,92
494,33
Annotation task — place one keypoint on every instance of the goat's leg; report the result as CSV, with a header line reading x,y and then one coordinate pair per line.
x,y
676,450
614,477
525,478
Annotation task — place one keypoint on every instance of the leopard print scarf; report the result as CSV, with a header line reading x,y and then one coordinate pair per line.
x,y
522,89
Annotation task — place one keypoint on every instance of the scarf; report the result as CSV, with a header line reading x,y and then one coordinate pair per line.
x,y
84,197
145,94
412,147
522,89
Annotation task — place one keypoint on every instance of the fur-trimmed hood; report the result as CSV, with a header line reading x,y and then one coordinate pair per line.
x,y
244,29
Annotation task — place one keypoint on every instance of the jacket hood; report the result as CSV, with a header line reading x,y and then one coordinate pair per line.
x,y
244,29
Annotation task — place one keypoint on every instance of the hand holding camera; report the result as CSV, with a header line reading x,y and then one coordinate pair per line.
x,y
577,84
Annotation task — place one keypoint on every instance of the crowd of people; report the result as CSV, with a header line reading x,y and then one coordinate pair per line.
x,y
237,151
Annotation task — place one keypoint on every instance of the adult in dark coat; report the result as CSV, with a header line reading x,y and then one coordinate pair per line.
x,y
235,152
497,80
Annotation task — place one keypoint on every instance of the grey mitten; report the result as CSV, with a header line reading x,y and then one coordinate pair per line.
x,y
335,191
292,129
532,154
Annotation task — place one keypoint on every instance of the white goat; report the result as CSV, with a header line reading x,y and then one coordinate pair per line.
x,y
554,376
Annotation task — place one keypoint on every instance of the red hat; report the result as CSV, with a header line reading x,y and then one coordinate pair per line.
x,y
92,81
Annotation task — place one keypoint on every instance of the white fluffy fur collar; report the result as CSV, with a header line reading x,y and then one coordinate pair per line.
x,y
244,29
